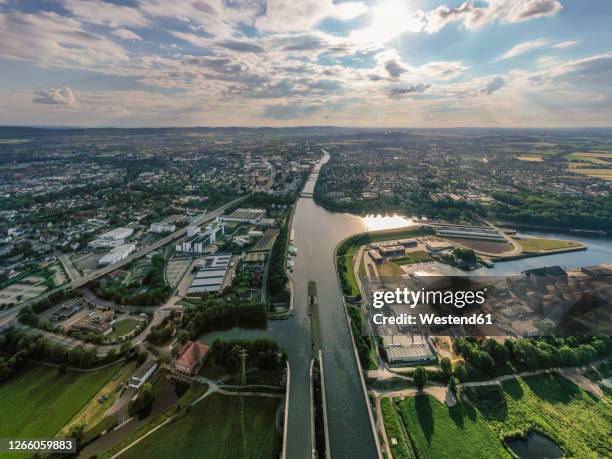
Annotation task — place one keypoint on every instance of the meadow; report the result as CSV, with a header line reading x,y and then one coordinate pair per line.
x,y
219,426
39,401
437,431
550,404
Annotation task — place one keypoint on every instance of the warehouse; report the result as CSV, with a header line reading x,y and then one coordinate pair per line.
x,y
209,274
111,238
117,254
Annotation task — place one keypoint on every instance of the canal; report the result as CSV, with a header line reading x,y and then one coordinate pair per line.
x,y
317,232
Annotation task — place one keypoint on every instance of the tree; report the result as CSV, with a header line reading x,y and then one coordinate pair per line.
x,y
420,377
143,403
461,372
452,385
183,336
446,366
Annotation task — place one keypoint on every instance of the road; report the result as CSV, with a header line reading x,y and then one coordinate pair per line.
x,y
9,314
72,272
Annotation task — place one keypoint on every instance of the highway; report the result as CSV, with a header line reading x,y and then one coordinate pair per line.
x,y
9,314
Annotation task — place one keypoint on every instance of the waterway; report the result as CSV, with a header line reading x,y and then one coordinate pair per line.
x,y
317,232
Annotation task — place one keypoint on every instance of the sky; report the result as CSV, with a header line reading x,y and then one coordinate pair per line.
x,y
369,63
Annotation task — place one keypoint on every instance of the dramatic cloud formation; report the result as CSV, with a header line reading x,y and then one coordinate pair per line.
x,y
63,96
256,62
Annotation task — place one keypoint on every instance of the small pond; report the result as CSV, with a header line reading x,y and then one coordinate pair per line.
x,y
535,446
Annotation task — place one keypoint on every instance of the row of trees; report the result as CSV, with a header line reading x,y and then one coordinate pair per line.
x,y
277,277
17,347
489,358
587,212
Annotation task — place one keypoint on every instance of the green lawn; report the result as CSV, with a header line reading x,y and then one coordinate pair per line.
x,y
219,426
533,244
350,274
412,258
38,402
123,327
553,405
437,431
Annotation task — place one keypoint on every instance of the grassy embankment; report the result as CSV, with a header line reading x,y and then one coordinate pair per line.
x,y
219,426
39,401
536,245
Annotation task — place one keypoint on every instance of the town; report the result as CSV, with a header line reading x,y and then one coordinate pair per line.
x,y
174,274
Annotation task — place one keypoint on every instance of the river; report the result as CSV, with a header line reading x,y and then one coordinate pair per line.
x,y
317,232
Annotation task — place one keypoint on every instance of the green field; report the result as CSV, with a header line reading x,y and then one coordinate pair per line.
x,y
553,405
123,327
412,258
219,426
350,274
39,402
437,431
533,244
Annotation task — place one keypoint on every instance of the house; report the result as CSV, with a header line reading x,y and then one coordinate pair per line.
x,y
190,358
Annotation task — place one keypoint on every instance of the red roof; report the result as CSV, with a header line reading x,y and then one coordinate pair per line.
x,y
192,353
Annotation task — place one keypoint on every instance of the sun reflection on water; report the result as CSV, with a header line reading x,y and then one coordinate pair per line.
x,y
384,222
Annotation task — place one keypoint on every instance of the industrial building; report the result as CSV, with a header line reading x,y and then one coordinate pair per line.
x,y
413,349
67,310
470,232
143,374
209,274
392,251
253,216
111,238
98,322
117,254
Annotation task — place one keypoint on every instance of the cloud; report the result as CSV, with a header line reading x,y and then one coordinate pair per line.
x,y
286,16
51,39
241,46
522,48
478,14
523,10
493,85
106,13
394,68
126,34
63,96
399,91
565,44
